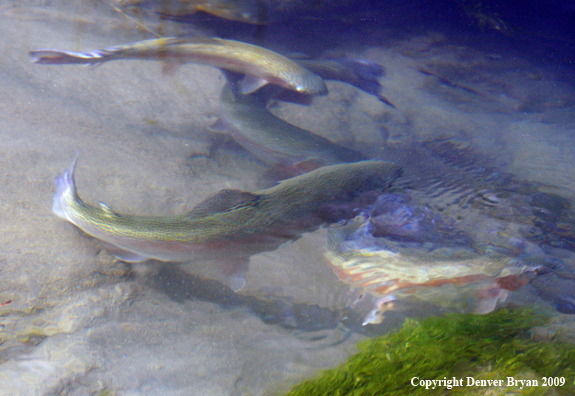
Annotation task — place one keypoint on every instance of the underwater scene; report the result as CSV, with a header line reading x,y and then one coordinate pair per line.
x,y
287,197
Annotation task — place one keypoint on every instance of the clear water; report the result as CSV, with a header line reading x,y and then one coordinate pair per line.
x,y
74,321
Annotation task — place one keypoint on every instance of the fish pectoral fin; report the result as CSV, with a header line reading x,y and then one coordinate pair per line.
x,y
488,299
235,271
251,84
377,314
123,254
219,126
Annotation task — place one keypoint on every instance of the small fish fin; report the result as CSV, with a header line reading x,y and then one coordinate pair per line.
x,y
232,91
251,84
220,126
377,314
235,271
489,298
224,201
95,65
169,68
123,254
107,210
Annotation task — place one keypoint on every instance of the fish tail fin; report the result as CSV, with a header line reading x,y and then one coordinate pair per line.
x,y
52,57
65,187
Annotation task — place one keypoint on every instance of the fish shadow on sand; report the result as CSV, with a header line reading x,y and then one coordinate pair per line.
x,y
311,322
320,326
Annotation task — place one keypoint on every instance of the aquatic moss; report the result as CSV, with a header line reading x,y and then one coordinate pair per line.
x,y
493,346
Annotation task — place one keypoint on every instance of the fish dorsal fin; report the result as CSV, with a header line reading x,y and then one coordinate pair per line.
x,y
224,201
107,210
219,126
251,84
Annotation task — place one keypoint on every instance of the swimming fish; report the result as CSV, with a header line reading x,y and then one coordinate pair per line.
x,y
259,66
274,141
454,277
229,226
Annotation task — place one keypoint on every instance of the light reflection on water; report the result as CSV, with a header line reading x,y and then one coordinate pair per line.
x,y
80,322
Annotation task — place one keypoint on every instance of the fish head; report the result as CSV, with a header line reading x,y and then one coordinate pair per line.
x,y
311,84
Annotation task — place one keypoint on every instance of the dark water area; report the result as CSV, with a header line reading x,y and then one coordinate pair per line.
x,y
542,30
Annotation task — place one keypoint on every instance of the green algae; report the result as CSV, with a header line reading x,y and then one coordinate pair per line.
x,y
493,346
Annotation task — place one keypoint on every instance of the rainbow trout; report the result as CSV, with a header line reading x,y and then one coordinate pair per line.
x,y
259,66
231,225
385,271
273,140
